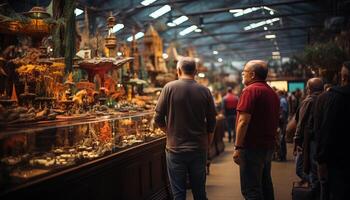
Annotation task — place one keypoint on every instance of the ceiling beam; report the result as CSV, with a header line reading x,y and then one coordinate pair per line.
x,y
219,10
250,32
248,41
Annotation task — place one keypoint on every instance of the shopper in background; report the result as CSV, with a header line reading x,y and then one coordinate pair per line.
x,y
229,105
258,115
283,120
186,112
304,140
332,131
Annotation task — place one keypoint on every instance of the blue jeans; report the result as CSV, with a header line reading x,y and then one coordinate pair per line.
x,y
255,172
231,124
192,163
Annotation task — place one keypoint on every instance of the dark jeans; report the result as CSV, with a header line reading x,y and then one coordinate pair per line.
x,y
315,183
231,125
338,182
299,167
283,146
255,172
181,164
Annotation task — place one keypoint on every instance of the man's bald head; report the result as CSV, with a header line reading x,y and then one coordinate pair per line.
x,y
259,67
315,85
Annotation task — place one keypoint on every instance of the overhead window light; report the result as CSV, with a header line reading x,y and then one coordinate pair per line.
x,y
265,28
78,11
235,10
161,11
188,30
276,53
117,28
180,20
137,36
147,2
219,59
240,12
261,23
215,52
245,11
198,30
171,24
272,36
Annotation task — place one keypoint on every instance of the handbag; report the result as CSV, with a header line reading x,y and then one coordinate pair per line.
x,y
301,191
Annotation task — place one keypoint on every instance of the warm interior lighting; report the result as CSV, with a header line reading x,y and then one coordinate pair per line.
x,y
147,2
275,53
201,75
165,56
161,11
188,30
137,36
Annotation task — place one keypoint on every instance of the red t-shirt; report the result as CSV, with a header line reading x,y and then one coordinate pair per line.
x,y
259,100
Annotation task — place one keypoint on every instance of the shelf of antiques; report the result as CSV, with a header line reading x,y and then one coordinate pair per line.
x,y
99,157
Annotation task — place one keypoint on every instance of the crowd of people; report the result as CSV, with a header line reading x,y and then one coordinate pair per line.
x,y
257,123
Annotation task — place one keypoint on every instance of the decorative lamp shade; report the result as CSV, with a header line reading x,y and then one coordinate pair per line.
x,y
37,12
111,21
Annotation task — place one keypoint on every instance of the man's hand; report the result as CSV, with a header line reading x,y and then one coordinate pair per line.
x,y
297,150
322,171
236,156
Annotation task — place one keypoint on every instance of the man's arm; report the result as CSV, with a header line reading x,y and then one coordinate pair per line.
x,y
211,119
160,110
241,131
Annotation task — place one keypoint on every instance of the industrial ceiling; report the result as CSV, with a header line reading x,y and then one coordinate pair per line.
x,y
220,30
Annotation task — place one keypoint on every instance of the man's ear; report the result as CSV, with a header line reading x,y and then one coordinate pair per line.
x,y
179,72
253,75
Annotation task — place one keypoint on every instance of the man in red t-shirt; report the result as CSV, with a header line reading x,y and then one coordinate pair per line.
x,y
229,105
257,121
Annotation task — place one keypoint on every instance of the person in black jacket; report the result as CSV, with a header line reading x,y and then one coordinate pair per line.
x,y
331,130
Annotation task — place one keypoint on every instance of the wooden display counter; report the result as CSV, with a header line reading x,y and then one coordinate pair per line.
x,y
135,173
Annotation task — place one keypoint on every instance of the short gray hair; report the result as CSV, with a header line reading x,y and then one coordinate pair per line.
x,y
187,65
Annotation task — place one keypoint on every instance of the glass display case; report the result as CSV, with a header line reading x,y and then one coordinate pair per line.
x,y
33,151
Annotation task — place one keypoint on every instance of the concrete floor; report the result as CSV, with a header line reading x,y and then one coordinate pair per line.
x,y
223,182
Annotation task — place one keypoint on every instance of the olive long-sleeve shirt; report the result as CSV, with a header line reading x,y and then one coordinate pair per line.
x,y
187,110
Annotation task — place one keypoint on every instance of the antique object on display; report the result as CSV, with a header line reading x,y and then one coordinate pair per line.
x,y
34,25
111,40
44,150
153,51
101,66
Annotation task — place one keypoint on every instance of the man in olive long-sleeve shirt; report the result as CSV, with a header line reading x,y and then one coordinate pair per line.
x,y
186,111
